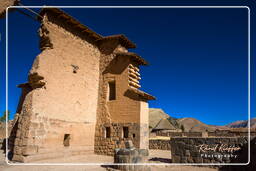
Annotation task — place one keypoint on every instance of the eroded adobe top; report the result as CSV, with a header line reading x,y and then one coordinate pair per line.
x,y
64,20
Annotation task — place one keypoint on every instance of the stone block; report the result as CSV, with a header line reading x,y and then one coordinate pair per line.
x,y
29,150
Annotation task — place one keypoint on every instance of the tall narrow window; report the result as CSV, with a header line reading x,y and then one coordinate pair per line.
x,y
66,140
107,132
112,90
125,132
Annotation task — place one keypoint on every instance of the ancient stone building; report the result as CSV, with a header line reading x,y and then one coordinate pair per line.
x,y
82,94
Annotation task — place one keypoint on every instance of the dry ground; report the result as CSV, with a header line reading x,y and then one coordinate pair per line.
x,y
156,156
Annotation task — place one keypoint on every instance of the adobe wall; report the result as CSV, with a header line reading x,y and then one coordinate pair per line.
x,y
127,110
126,107
63,100
144,126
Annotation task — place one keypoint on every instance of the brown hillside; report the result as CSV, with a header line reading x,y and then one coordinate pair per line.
x,y
155,115
194,125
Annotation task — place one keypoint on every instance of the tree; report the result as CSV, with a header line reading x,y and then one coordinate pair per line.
x,y
3,118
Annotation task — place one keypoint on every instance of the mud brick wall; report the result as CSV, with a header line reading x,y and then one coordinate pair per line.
x,y
4,4
160,144
125,110
67,94
62,79
201,150
105,145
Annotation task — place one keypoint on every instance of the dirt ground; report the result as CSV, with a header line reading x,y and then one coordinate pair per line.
x,y
156,156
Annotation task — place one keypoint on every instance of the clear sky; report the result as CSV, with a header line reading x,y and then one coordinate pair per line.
x,y
198,57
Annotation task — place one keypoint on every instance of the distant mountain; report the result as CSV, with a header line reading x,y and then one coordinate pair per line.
x,y
242,124
191,124
155,115
194,125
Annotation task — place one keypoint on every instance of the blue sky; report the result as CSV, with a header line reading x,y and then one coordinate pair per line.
x,y
198,57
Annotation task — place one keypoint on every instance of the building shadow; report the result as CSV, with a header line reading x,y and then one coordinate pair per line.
x,y
160,159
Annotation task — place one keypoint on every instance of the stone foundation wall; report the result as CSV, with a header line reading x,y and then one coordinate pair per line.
x,y
104,145
45,139
160,144
206,150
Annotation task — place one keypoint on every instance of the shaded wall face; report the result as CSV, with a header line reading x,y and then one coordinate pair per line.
x,y
63,102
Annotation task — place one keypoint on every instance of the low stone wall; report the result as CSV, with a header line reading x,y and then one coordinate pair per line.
x,y
179,134
206,150
160,144
243,159
223,133
231,134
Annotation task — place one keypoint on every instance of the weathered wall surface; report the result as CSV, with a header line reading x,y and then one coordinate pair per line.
x,y
47,140
206,150
66,98
126,110
160,144
67,92
2,130
144,131
4,4
63,100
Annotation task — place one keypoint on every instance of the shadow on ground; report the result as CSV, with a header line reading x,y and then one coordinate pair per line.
x,y
159,159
